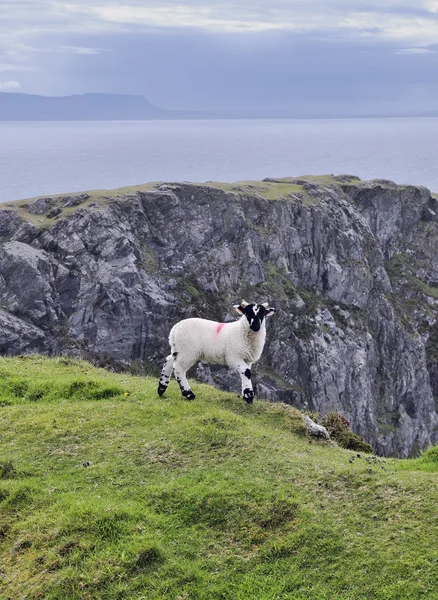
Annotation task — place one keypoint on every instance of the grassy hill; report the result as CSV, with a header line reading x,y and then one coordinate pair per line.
x,y
107,491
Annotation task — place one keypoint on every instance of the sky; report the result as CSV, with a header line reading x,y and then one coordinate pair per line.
x,y
303,57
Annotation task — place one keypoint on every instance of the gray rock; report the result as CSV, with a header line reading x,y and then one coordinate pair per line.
x,y
74,200
26,232
54,212
315,430
9,223
40,206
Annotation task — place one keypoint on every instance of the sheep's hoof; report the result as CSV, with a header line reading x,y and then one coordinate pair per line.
x,y
161,389
188,394
248,395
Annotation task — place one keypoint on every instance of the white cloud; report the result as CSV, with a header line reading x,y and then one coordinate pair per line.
x,y
24,49
82,50
184,17
18,48
9,85
415,51
409,22
413,21
8,67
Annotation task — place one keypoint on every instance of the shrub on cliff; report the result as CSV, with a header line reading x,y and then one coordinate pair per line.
x,y
339,429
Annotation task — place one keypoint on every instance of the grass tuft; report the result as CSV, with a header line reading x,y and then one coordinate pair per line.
x,y
7,469
339,429
147,558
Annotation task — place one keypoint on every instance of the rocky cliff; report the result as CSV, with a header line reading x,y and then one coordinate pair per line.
x,y
351,266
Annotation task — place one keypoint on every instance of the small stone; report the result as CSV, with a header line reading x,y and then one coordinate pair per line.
x,y
315,430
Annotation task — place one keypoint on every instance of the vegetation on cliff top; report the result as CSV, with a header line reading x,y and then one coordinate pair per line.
x,y
107,491
274,189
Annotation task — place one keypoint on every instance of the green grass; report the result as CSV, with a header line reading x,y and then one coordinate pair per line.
x,y
289,188
268,190
108,491
324,180
99,198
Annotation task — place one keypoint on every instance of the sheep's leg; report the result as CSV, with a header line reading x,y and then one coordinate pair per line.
x,y
180,370
244,370
166,373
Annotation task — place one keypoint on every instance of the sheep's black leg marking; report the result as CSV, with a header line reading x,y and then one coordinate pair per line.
x,y
248,394
186,392
245,376
166,373
180,376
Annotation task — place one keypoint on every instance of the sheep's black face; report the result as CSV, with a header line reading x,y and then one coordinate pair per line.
x,y
255,314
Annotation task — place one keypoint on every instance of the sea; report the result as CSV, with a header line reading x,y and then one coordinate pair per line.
x,y
45,158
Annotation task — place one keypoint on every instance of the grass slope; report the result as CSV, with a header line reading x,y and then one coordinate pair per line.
x,y
107,491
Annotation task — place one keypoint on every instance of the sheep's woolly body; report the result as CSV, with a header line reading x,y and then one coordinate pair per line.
x,y
222,343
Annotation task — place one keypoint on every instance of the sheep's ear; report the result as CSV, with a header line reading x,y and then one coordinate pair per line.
x,y
239,308
269,311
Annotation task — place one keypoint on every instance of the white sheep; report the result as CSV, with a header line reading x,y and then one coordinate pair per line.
x,y
237,344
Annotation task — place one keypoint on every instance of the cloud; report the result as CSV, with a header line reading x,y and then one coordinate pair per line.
x,y
83,50
18,48
23,49
206,17
8,67
415,51
9,85
413,20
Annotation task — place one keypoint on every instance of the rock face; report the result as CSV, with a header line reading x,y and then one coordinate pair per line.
x,y
351,266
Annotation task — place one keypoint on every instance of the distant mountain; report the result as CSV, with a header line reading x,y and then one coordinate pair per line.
x,y
428,113
85,107
126,107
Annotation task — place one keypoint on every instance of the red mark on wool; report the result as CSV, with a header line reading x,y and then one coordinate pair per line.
x,y
219,327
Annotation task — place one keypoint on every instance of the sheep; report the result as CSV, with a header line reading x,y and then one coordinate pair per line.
x,y
237,344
